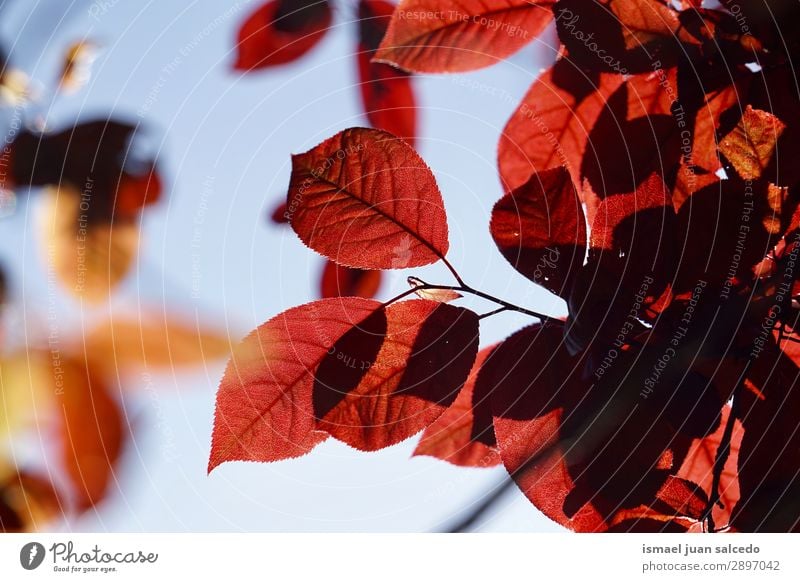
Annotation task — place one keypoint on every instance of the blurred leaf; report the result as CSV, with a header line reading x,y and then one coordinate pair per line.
x,y
89,259
24,383
92,431
27,501
77,65
154,340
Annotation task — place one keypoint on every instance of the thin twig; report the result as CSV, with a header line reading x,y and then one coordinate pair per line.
x,y
723,452
423,286
497,493
500,309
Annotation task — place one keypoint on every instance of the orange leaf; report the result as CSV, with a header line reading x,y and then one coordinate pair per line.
x,y
89,260
92,431
153,340
749,146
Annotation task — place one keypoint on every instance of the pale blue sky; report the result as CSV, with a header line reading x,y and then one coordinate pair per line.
x,y
224,143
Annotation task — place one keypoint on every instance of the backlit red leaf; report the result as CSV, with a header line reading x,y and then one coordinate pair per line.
x,y
551,126
437,36
615,224
281,31
264,409
455,437
386,380
364,198
541,230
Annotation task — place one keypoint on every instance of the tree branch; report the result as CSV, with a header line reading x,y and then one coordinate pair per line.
x,y
498,491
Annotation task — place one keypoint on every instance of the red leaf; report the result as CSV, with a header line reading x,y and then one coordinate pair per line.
x,y
769,455
339,281
551,126
529,375
453,437
609,228
583,450
698,467
386,93
623,36
387,97
622,153
395,374
264,409
541,230
749,146
278,215
92,432
281,31
439,36
365,199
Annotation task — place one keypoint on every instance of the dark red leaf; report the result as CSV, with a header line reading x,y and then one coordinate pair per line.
x,y
280,32
364,198
28,502
458,436
769,456
339,281
621,36
583,450
622,153
98,159
278,215
394,375
541,230
698,467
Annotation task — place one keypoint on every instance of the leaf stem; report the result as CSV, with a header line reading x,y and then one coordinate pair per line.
x,y
500,309
464,288
452,269
723,452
